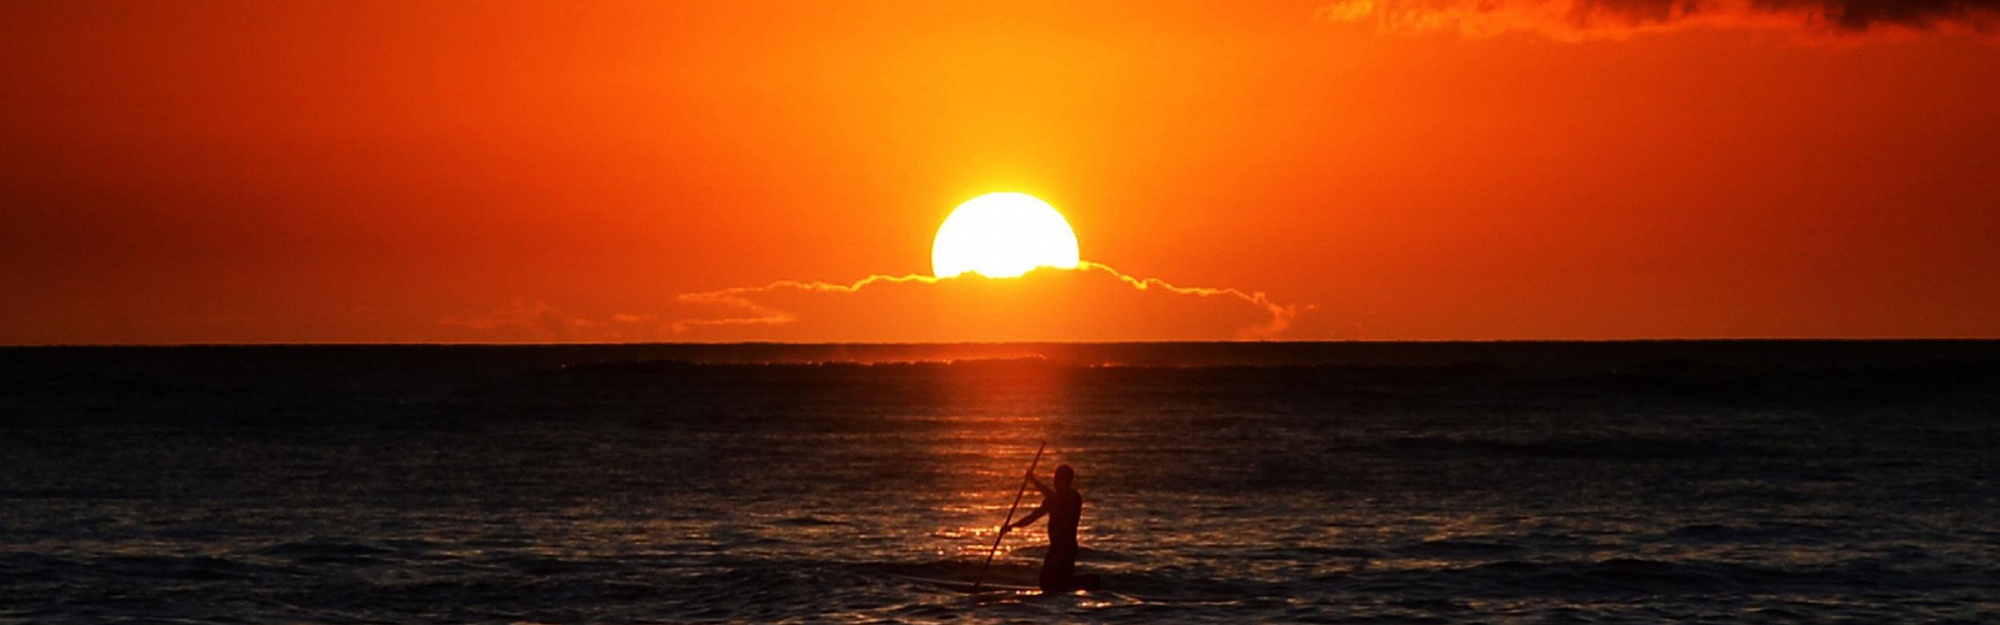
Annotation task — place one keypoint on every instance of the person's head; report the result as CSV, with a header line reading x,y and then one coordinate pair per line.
x,y
1065,476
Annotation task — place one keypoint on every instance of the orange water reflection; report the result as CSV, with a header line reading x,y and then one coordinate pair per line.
x,y
992,417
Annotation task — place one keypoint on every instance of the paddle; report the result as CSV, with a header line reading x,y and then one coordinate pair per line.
x,y
1010,516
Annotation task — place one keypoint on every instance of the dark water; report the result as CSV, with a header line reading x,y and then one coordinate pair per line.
x,y
1360,483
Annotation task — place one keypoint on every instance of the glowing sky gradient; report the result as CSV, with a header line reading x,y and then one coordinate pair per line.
x,y
177,172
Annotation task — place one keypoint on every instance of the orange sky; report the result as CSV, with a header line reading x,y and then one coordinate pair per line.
x,y
386,172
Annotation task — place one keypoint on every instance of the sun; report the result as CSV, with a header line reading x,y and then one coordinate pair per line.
x,y
1003,235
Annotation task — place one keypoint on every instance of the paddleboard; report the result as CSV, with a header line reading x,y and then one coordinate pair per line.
x,y
1088,583
966,587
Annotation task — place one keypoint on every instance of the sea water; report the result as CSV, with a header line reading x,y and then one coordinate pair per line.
x,y
1349,482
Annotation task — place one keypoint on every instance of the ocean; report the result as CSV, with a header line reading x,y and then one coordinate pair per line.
x,y
1621,482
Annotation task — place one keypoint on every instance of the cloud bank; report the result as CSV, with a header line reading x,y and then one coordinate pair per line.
x,y
535,321
1573,20
1091,303
531,319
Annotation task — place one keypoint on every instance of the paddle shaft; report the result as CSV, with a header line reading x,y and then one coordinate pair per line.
x,y
1010,517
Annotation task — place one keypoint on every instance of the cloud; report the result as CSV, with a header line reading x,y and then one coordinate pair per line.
x,y
1092,303
526,321
1574,20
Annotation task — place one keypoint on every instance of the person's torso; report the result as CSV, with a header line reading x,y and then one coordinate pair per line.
x,y
1065,510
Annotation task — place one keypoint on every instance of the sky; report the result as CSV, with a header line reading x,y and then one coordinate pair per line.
x,y
304,172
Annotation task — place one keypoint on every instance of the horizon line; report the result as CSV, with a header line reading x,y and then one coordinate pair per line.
x,y
1767,339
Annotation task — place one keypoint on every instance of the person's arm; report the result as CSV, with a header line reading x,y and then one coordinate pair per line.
x,y
1032,516
1046,491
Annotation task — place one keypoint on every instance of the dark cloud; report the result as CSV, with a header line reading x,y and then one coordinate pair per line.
x,y
1612,19
1092,303
528,321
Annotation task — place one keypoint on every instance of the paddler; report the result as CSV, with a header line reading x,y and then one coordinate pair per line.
x,y
1064,507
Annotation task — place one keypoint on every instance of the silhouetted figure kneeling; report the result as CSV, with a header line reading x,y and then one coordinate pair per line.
x,y
1064,506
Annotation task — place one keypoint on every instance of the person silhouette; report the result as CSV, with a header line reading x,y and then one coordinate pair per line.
x,y
1064,507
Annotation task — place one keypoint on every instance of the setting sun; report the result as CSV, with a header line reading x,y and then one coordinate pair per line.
x,y
1003,235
